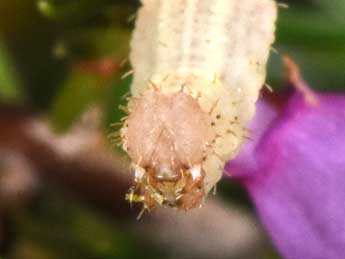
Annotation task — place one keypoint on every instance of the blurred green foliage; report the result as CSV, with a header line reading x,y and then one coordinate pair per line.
x,y
43,43
62,228
9,91
315,37
79,91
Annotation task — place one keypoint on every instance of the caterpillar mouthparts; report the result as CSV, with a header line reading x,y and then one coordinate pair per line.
x,y
198,69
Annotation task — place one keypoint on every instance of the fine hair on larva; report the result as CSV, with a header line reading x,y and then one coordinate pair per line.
x,y
198,67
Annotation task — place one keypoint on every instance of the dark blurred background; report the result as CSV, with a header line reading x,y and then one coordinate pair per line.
x,y
62,182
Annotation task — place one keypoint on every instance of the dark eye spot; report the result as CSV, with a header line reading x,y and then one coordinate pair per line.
x,y
218,116
213,124
229,131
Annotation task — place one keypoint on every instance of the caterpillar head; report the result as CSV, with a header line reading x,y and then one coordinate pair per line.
x,y
167,136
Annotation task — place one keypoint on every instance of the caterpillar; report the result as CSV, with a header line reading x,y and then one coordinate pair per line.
x,y
198,67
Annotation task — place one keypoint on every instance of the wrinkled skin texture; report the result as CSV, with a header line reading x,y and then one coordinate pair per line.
x,y
294,170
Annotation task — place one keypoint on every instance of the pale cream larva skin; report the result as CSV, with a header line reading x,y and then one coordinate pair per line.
x,y
213,50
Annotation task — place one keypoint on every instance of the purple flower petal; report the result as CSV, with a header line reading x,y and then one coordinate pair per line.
x,y
294,170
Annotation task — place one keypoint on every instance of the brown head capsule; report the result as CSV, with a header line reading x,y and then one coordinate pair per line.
x,y
166,137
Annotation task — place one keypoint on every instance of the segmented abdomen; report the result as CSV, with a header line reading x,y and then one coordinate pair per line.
x,y
213,53
230,38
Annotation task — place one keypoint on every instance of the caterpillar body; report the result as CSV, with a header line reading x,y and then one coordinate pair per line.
x,y
198,68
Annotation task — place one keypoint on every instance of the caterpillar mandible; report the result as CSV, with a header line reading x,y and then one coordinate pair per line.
x,y
198,68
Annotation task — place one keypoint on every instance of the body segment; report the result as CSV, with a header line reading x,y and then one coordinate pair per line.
x,y
198,68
